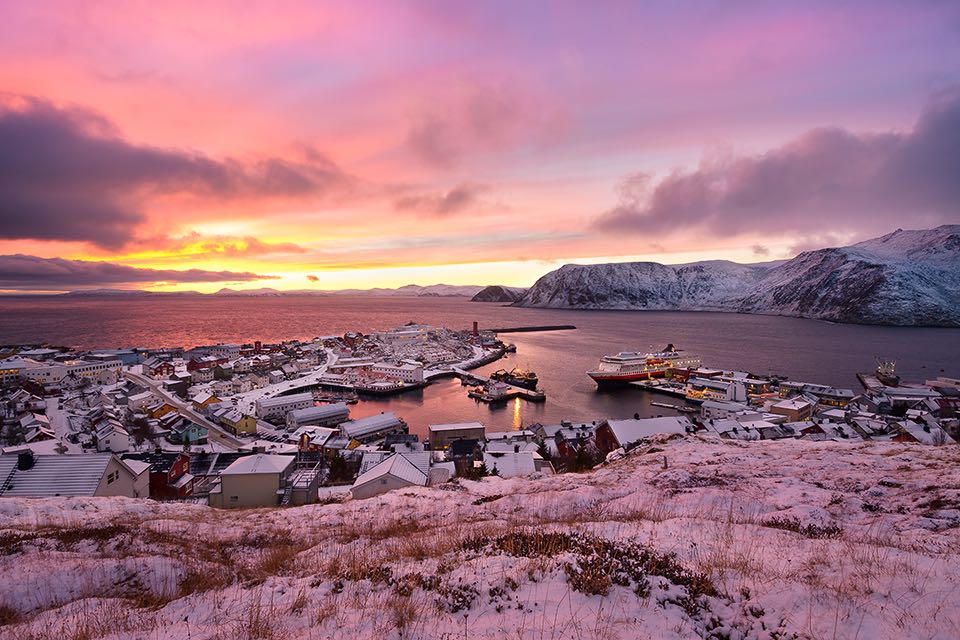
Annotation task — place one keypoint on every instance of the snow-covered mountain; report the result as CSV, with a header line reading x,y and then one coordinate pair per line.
x,y
498,293
903,278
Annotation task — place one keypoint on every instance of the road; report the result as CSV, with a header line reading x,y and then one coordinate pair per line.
x,y
247,402
216,432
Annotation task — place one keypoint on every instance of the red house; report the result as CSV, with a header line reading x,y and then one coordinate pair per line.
x,y
169,474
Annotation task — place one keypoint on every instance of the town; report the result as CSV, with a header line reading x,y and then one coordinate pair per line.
x,y
258,425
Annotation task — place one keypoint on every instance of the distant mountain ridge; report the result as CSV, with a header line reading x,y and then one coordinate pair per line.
x,y
902,278
409,290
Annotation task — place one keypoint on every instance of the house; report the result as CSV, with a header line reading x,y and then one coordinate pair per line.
x,y
794,409
441,435
324,415
258,480
923,432
236,422
719,409
310,438
23,400
373,427
394,472
27,475
200,376
158,409
511,464
39,433
187,432
614,434
112,437
157,368
203,400
170,476
406,371
140,401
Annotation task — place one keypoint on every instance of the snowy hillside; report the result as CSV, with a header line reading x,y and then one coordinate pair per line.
x,y
498,293
685,538
903,278
644,285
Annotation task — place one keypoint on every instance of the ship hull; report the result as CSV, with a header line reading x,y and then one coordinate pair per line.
x,y
620,379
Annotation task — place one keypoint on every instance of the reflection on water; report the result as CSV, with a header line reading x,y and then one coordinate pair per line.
x,y
800,349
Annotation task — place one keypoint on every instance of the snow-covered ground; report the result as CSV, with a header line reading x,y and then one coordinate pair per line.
x,y
771,540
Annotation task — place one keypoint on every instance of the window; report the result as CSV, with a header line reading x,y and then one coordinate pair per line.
x,y
113,477
384,481
234,498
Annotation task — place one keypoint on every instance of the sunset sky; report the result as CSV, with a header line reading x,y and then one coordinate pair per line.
x,y
326,145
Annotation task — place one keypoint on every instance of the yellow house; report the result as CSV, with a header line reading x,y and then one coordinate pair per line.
x,y
204,400
239,423
160,410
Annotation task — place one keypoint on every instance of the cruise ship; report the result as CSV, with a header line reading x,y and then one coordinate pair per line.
x,y
628,366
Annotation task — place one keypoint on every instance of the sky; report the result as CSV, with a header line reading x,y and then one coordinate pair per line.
x,y
330,145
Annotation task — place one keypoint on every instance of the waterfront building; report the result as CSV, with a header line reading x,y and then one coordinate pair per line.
x,y
441,435
324,415
279,406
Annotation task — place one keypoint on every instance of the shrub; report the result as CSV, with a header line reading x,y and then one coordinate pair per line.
x,y
807,530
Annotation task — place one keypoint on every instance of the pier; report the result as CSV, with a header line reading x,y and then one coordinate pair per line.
x,y
531,329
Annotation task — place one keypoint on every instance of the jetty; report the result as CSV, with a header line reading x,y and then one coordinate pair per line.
x,y
531,329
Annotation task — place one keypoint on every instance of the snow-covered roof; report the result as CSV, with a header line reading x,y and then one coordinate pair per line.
x,y
793,404
629,431
503,446
136,466
509,435
317,435
397,466
280,401
54,475
456,426
419,459
510,465
259,463
371,424
319,413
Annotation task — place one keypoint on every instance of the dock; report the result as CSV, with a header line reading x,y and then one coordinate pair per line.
x,y
513,391
676,407
657,387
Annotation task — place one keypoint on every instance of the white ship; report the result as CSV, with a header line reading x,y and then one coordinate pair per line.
x,y
628,366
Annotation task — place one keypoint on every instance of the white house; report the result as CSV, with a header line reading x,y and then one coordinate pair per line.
x,y
112,437
91,474
510,464
394,472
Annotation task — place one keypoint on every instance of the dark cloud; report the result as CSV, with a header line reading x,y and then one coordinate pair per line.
x,y
488,117
67,174
462,197
827,181
33,273
760,250
313,278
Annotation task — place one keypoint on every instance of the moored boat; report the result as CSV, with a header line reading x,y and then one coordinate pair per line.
x,y
630,366
517,377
